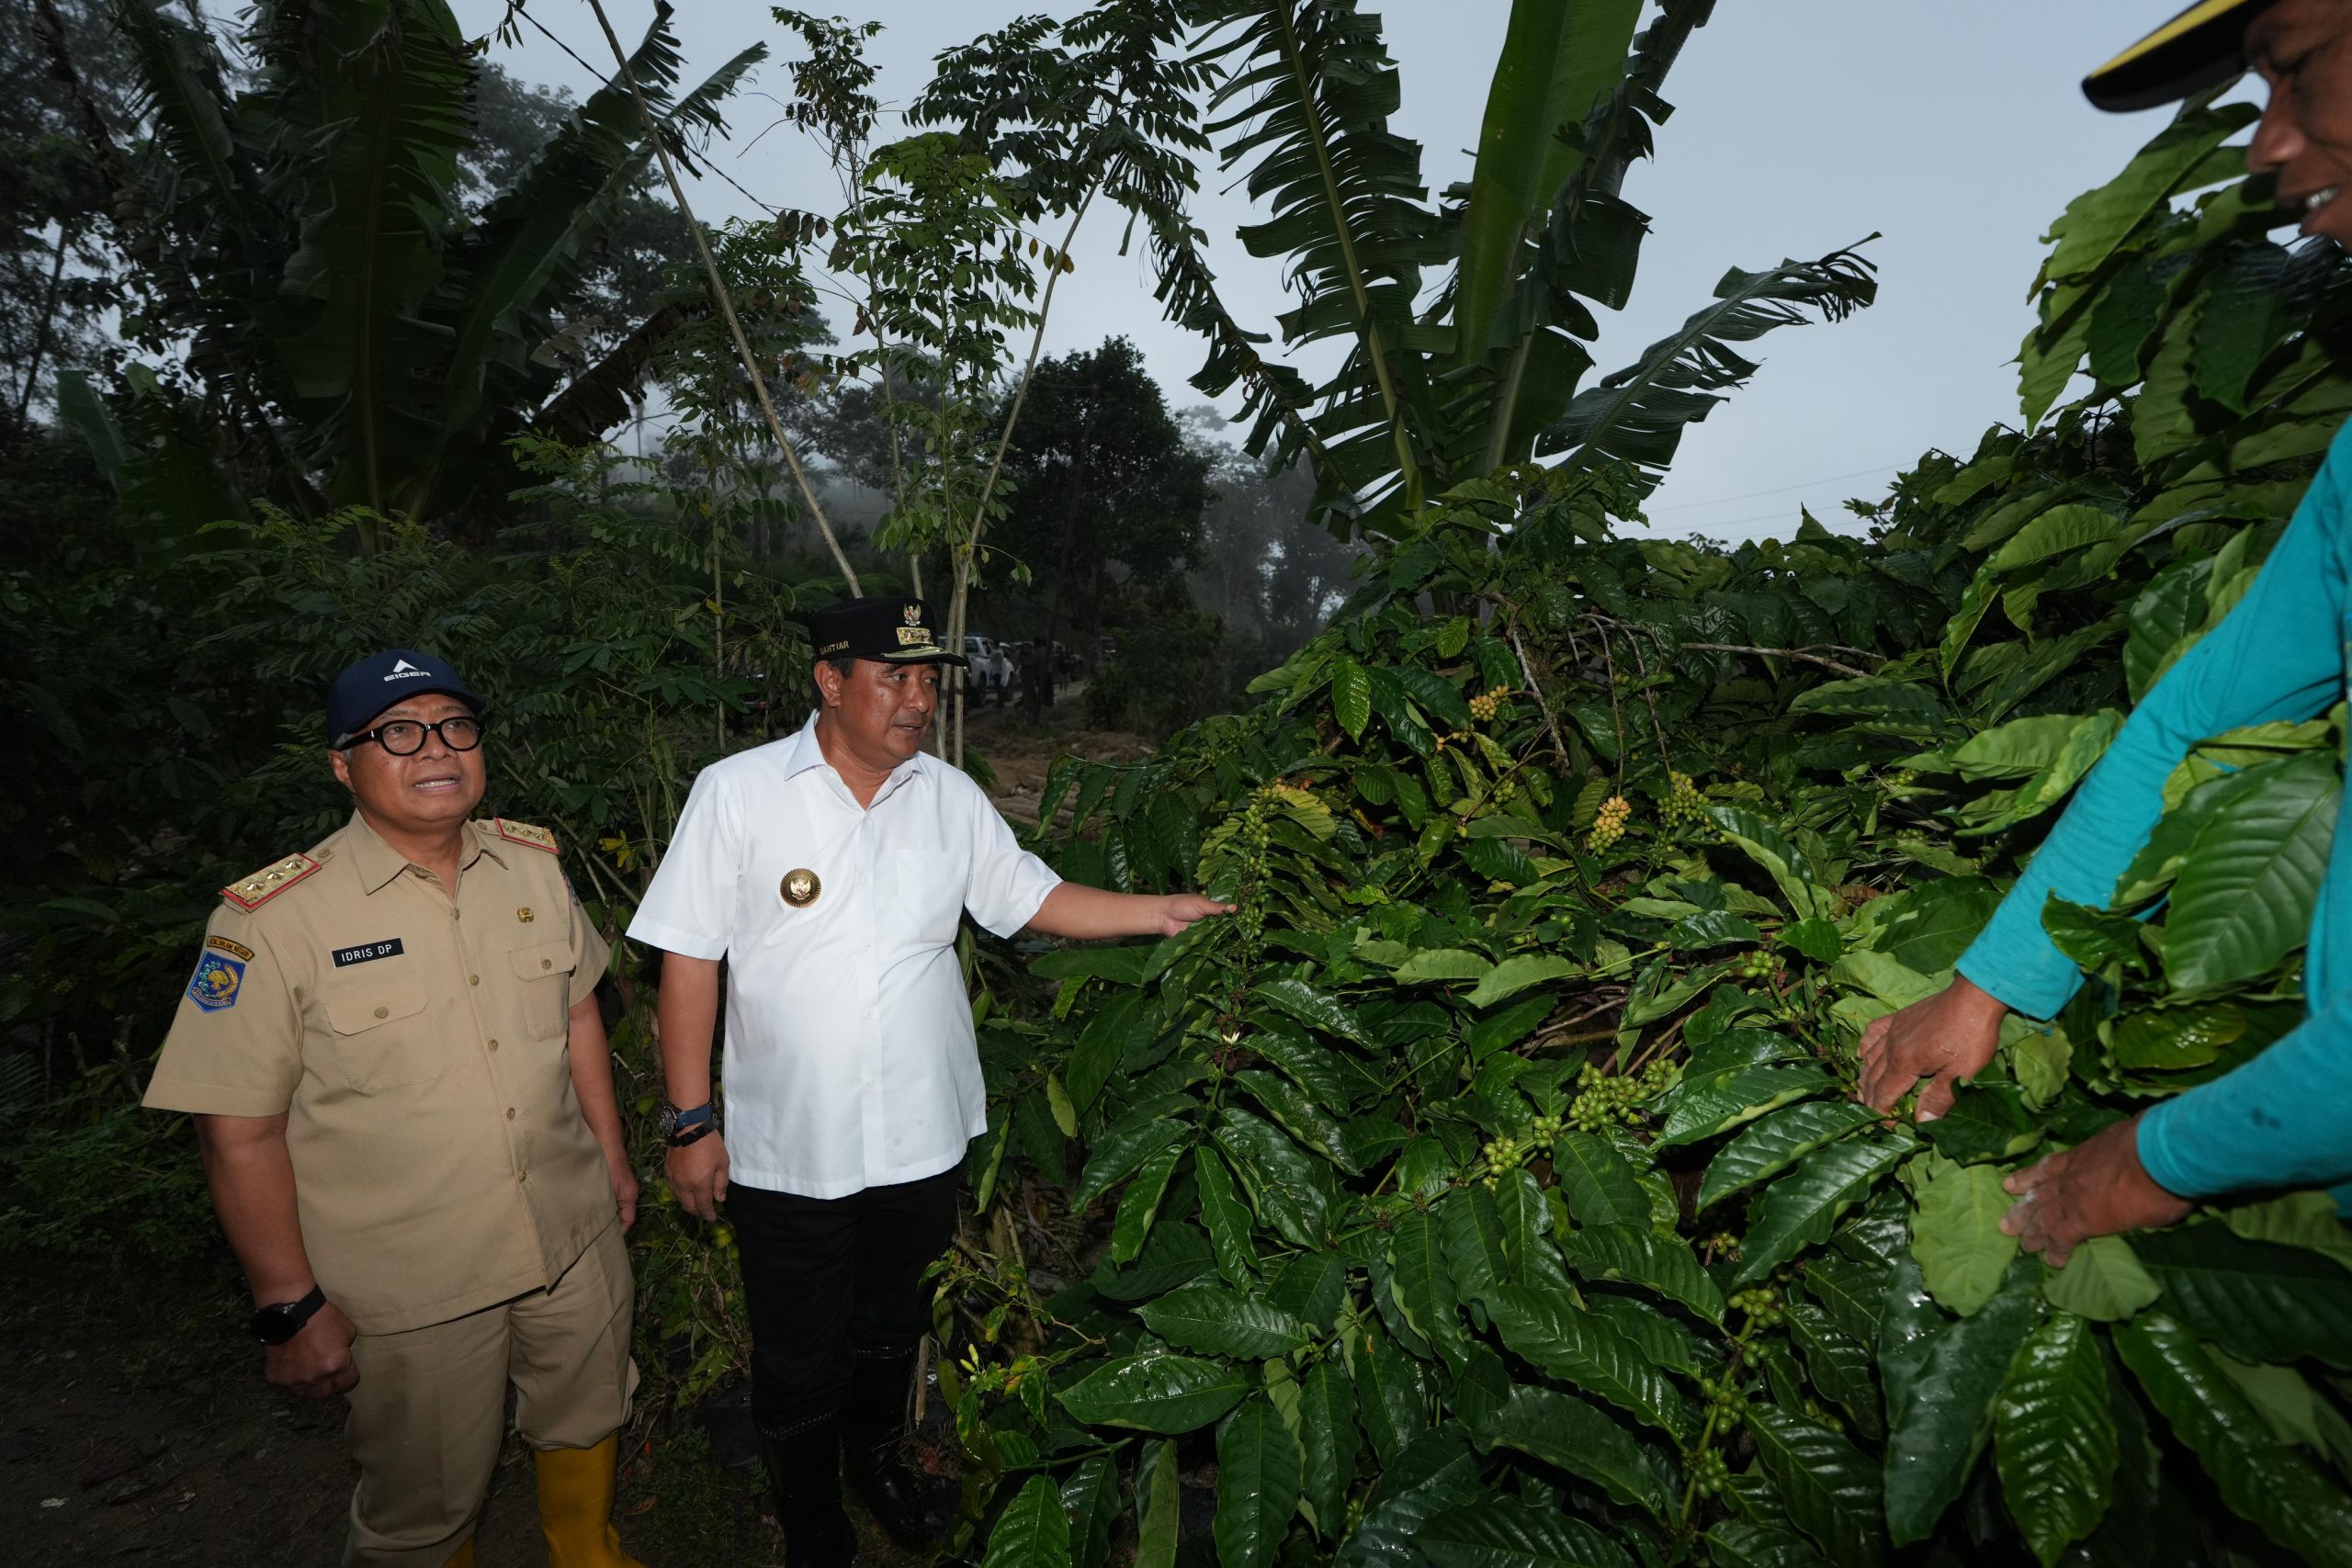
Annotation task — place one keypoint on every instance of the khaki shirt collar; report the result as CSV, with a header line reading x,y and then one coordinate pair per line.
x,y
378,862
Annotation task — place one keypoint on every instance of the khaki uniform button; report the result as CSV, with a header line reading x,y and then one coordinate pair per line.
x,y
547,963
493,1044
510,1113
473,979
383,1013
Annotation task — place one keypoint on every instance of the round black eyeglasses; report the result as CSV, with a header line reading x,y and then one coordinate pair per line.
x,y
405,737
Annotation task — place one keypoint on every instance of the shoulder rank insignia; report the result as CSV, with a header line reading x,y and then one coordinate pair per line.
x,y
251,892
523,833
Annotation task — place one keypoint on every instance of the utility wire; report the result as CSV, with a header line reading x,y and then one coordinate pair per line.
x,y
516,8
1736,522
1783,489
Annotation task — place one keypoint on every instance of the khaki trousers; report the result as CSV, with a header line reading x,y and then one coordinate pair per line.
x,y
429,1413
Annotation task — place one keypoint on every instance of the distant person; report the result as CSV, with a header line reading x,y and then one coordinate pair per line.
x,y
1037,682
400,1086
1000,673
2283,1120
832,872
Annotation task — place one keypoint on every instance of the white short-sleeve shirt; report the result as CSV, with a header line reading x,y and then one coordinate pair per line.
x,y
850,1058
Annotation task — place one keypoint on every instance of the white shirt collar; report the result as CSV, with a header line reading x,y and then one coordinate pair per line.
x,y
804,751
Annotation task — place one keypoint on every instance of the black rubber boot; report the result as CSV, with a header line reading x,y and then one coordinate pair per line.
x,y
805,1469
874,1419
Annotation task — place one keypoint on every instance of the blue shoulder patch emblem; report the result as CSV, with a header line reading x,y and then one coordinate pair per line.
x,y
215,983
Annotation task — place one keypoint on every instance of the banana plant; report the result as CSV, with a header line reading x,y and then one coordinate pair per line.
x,y
1451,384
349,337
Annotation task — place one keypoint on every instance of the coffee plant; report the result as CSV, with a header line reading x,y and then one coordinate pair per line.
x,y
1490,1190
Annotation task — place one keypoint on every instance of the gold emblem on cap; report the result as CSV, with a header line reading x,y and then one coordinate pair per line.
x,y
526,915
801,888
914,613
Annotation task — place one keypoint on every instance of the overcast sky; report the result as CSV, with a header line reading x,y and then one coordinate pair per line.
x,y
1955,129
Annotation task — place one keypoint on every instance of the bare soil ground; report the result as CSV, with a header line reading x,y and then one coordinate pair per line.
x,y
1021,754
135,1425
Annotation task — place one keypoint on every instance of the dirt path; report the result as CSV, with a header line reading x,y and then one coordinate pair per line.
x,y
1021,754
135,1426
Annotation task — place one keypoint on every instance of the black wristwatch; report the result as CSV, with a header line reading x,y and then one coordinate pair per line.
x,y
280,1321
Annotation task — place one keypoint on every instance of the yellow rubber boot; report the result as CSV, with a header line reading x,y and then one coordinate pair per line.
x,y
576,1490
464,1556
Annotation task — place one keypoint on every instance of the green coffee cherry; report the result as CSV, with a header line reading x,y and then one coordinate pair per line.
x,y
1683,805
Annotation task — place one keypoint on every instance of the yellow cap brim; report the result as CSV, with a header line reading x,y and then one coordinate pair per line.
x,y
2202,47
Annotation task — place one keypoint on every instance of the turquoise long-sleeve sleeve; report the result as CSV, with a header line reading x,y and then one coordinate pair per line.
x,y
2276,656
2285,1119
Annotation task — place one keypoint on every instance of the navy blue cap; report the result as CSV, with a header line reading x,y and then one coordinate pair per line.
x,y
378,681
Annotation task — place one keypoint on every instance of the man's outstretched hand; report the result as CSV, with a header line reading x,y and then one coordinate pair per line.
x,y
2097,1188
1946,1037
1179,910
1095,914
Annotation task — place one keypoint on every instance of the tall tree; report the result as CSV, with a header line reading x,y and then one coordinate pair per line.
x,y
57,280
1107,496
1271,575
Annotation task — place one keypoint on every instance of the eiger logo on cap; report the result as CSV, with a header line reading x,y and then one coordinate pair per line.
x,y
402,669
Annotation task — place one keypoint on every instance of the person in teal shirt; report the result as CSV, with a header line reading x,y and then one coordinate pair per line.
x,y
2283,1120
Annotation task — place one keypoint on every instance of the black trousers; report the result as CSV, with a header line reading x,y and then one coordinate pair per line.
x,y
828,1279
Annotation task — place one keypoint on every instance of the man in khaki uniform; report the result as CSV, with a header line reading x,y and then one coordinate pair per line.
x,y
404,1099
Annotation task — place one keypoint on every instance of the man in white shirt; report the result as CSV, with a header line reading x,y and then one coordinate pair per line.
x,y
830,871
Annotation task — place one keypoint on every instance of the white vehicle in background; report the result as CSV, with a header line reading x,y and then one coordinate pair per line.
x,y
991,662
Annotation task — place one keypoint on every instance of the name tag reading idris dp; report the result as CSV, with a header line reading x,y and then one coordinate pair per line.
x,y
365,951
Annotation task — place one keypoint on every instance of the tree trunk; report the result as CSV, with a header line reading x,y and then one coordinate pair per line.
x,y
41,338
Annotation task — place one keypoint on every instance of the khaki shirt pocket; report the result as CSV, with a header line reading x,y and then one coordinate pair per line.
x,y
377,1040
545,974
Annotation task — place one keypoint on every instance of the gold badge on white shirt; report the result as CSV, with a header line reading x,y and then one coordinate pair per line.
x,y
801,888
